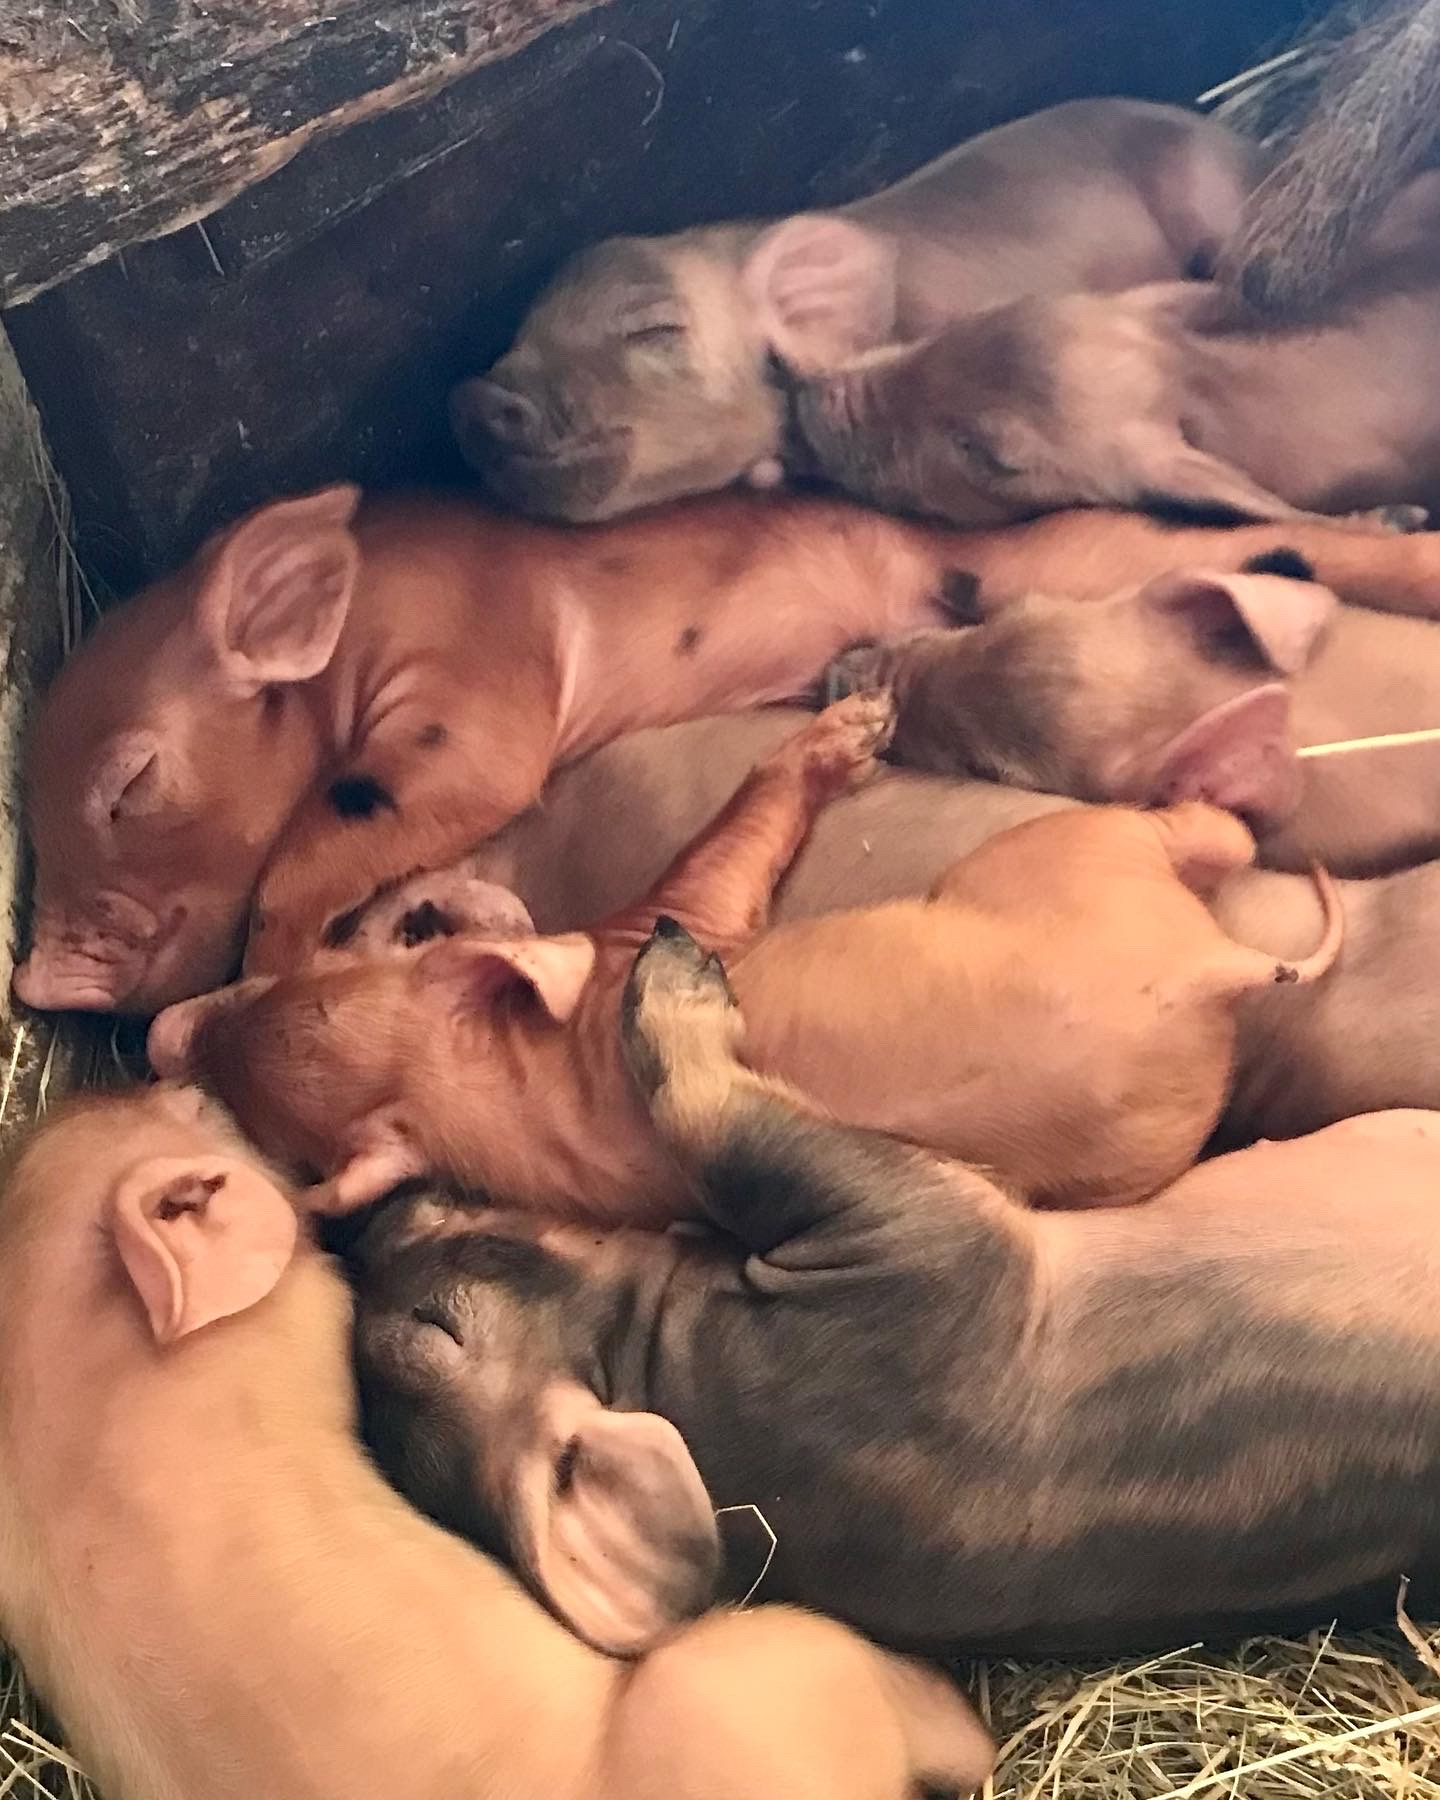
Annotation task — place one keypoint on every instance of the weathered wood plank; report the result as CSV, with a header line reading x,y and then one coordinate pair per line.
x,y
124,119
314,331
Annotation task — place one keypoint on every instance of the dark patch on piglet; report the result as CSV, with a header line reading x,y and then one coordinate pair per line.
x,y
422,923
360,797
1281,561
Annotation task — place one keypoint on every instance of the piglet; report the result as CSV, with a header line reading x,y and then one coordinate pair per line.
x,y
1199,684
221,1599
643,371
969,1424
1062,1010
1169,397
1365,1039
331,697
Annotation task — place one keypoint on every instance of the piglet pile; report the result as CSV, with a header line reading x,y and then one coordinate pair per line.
x,y
875,1017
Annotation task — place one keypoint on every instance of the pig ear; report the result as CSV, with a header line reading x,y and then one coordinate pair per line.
x,y
383,1155
553,969
201,1238
823,290
619,1531
276,598
128,781
1275,618
170,1042
1239,756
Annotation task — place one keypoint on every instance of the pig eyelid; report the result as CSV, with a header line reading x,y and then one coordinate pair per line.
x,y
979,453
652,327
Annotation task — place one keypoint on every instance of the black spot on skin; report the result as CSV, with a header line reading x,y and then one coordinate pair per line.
x,y
1285,973
343,926
431,737
422,923
1202,263
1280,561
360,797
688,641
959,597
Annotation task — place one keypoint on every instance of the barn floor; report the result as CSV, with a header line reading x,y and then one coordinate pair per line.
x,y
1333,1718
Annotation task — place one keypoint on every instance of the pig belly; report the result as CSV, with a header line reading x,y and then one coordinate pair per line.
x,y
970,1036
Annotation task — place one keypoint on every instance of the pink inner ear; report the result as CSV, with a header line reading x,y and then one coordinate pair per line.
x,y
823,290
1239,755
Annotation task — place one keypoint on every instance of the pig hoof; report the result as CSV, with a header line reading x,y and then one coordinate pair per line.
x,y
678,1011
1402,519
858,670
839,749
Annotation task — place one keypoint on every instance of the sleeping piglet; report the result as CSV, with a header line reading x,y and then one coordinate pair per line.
x,y
967,1424
1169,397
332,696
1195,685
1365,1039
1062,1010
641,373
220,1599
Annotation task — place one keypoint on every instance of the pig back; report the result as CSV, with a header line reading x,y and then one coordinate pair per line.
x,y
1049,1055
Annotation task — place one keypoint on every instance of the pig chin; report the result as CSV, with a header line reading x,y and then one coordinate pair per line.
x,y
571,486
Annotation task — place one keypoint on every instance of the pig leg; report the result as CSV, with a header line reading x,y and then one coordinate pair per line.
x,y
1173,472
407,802
780,1177
1201,843
1091,554
721,885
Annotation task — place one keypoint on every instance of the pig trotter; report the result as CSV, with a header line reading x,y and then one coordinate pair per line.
x,y
860,669
837,750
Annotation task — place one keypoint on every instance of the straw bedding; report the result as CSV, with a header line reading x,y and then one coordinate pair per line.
x,y
1336,1718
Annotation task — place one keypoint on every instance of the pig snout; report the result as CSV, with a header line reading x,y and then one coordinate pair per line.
x,y
92,962
486,415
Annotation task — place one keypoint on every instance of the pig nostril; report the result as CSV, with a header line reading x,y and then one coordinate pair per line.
x,y
505,416
566,1464
432,1315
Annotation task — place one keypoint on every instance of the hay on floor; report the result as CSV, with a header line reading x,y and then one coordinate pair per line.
x,y
1321,1718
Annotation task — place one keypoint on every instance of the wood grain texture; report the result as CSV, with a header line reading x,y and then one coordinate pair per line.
x,y
124,119
314,330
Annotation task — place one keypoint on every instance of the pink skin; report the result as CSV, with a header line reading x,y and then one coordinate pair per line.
x,y
219,1597
182,764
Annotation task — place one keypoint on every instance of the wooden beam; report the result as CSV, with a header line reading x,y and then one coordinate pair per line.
x,y
125,119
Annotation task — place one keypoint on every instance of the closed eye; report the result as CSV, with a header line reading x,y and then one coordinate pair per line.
x,y
983,458
653,331
430,1314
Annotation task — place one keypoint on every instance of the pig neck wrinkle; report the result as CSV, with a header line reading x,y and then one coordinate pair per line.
x,y
577,1140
